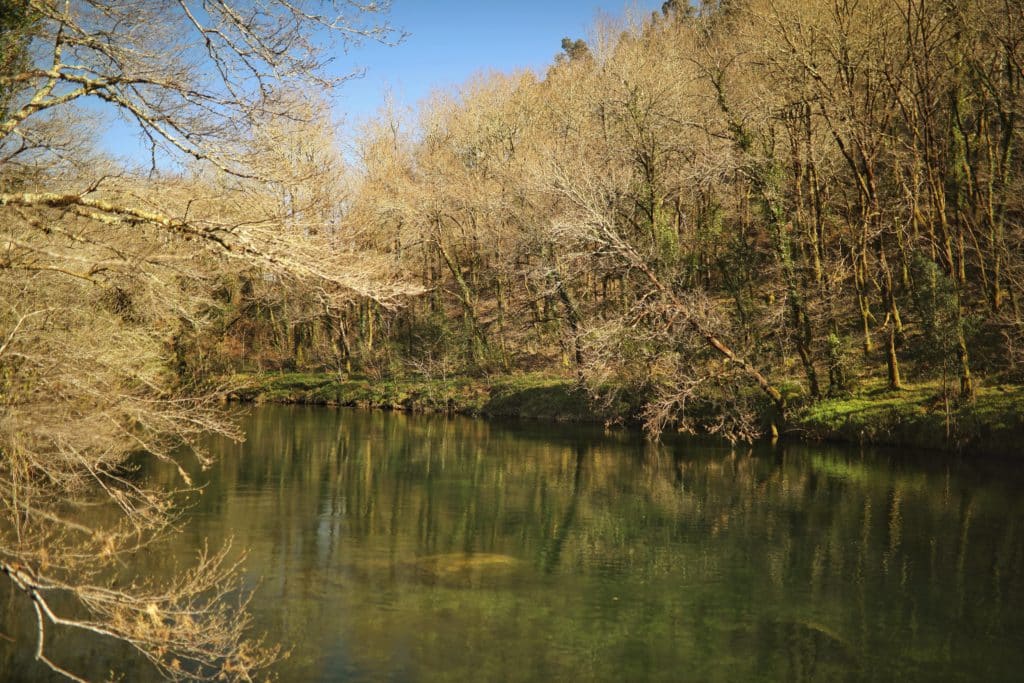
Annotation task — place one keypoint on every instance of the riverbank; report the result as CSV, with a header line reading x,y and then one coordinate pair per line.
x,y
915,417
919,416
530,396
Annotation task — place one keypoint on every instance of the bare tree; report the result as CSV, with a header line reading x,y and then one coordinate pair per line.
x,y
103,271
713,204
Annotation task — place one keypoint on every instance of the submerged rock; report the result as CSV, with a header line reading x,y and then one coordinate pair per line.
x,y
462,563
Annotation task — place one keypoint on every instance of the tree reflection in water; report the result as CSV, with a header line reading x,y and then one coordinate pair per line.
x,y
435,549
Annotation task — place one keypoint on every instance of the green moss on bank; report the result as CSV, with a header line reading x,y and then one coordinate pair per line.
x,y
919,416
524,395
916,417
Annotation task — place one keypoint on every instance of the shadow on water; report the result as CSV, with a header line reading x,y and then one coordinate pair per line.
x,y
390,547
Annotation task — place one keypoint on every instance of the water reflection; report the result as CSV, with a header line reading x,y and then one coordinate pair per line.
x,y
391,547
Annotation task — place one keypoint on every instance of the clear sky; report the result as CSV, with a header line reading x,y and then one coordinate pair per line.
x,y
449,41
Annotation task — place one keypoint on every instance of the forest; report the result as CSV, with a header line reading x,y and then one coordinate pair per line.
x,y
704,220
718,213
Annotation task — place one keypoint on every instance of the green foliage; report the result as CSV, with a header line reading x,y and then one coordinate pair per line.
x,y
575,50
16,22
934,298
677,9
838,381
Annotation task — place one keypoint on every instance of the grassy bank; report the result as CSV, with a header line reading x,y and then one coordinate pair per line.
x,y
535,396
916,417
920,416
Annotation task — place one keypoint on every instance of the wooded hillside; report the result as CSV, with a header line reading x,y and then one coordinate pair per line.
x,y
716,210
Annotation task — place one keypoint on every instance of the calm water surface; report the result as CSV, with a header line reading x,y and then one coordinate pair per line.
x,y
395,548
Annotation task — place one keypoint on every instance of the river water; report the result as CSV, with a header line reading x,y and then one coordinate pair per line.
x,y
387,547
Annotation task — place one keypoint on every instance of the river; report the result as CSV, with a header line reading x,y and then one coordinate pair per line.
x,y
387,547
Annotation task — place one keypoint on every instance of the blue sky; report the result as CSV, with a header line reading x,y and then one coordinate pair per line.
x,y
449,41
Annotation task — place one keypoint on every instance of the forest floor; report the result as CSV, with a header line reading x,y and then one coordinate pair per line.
x,y
918,416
